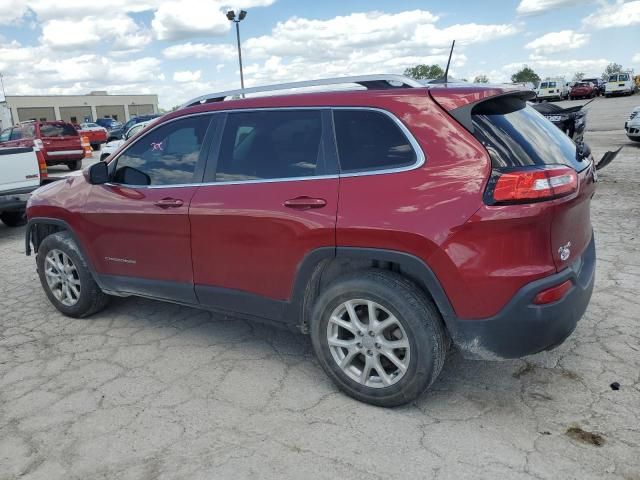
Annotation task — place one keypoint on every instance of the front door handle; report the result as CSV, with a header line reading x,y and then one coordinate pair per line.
x,y
168,203
305,203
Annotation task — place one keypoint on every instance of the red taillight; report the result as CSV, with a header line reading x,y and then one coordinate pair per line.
x,y
553,294
42,163
534,185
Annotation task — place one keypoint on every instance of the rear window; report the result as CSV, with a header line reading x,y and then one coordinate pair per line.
x,y
552,84
623,77
516,135
544,85
57,130
613,78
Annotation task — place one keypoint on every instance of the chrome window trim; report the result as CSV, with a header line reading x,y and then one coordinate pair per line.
x,y
420,156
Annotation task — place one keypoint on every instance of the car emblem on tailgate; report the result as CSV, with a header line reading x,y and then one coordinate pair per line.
x,y
564,252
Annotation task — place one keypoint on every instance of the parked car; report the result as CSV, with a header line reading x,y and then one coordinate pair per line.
x,y
571,120
385,222
552,89
114,145
96,134
108,123
22,169
598,83
632,125
620,84
583,90
59,141
117,133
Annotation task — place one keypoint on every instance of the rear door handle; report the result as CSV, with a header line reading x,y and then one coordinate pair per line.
x,y
305,203
168,203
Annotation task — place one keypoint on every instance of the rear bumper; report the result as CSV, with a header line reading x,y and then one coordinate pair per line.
x,y
523,328
16,199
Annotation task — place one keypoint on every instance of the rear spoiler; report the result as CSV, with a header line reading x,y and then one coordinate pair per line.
x,y
463,113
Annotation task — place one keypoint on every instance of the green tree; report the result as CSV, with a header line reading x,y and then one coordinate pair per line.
x,y
610,70
481,79
578,76
525,74
425,72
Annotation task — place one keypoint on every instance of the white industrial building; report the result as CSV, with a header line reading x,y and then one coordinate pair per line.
x,y
77,108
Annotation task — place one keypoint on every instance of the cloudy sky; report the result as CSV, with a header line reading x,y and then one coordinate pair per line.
x,y
180,49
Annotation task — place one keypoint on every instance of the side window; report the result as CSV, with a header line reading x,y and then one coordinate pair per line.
x,y
16,134
29,131
271,144
165,156
5,134
369,140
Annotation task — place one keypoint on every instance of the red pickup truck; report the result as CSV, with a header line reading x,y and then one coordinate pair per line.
x,y
59,141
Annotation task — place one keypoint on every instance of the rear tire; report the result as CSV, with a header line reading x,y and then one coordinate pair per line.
x,y
66,278
75,165
14,219
410,350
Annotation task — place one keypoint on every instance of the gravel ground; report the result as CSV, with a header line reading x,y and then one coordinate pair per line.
x,y
148,390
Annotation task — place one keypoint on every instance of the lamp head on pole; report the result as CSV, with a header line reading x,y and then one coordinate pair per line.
x,y
231,15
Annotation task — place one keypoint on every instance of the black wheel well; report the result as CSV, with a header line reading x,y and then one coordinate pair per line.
x,y
38,231
328,270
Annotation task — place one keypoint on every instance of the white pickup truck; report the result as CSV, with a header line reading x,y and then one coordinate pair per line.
x,y
22,170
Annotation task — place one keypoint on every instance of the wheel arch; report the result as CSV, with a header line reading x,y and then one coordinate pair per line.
x,y
319,268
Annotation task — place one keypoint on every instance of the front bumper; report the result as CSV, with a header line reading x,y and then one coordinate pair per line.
x,y
523,328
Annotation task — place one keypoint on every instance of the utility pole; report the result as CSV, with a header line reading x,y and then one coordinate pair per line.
x,y
231,16
4,96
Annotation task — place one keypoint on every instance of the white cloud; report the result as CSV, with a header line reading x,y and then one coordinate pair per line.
x,y
636,58
12,11
533,7
619,14
557,42
90,31
200,50
187,76
368,42
180,19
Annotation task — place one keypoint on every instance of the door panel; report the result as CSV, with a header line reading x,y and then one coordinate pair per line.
x,y
272,199
140,222
245,238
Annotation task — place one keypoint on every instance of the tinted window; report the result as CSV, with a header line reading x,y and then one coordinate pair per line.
x,y
369,140
613,78
167,155
4,136
57,130
16,134
544,85
623,77
516,135
270,144
29,131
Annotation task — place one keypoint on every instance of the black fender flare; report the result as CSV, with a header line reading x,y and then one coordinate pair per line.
x,y
409,265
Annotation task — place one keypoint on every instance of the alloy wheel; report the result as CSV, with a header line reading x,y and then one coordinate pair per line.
x,y
368,343
62,277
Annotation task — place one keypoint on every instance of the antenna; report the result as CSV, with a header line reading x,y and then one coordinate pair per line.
x,y
446,72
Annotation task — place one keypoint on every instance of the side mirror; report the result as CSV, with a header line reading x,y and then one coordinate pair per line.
x,y
98,173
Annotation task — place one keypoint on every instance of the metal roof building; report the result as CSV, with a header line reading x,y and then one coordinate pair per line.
x,y
80,108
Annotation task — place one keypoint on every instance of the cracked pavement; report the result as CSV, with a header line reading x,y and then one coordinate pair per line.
x,y
147,390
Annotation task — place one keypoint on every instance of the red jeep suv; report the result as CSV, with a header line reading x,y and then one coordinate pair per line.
x,y
387,222
58,141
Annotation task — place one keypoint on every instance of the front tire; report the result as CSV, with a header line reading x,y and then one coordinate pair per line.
x,y
378,337
75,165
14,219
66,278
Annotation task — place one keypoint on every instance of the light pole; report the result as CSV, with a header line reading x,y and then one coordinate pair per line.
x,y
231,16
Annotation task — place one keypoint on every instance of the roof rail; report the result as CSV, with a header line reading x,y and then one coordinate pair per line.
x,y
371,82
